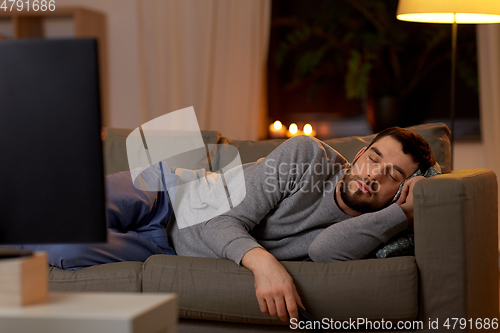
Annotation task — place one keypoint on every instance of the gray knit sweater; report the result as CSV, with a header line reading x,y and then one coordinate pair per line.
x,y
289,209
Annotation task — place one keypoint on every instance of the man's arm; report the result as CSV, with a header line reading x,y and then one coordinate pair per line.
x,y
274,287
356,237
267,183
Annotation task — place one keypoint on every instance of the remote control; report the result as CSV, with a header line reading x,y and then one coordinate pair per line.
x,y
306,316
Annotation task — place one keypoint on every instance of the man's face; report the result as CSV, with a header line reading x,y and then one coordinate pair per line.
x,y
375,175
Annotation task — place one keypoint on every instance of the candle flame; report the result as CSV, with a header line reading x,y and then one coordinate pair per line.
x,y
308,129
293,128
277,125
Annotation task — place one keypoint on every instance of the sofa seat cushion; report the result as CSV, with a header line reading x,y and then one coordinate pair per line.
x,y
120,277
220,290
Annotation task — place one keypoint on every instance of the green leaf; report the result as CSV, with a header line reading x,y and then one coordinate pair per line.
x,y
357,76
291,41
309,61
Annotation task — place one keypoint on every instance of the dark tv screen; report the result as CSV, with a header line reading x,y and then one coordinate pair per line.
x,y
51,164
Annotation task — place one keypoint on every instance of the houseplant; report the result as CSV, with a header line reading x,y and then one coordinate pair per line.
x,y
381,59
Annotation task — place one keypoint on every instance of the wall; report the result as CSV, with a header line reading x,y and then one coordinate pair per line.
x,y
122,57
124,73
488,41
469,155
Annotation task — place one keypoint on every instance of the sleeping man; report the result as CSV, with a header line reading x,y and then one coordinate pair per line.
x,y
303,201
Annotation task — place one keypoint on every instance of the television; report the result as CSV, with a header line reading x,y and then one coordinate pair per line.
x,y
51,164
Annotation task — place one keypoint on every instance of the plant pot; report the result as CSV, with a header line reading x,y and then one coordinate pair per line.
x,y
383,112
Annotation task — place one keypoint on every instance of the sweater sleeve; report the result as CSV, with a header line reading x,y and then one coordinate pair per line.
x,y
354,238
267,183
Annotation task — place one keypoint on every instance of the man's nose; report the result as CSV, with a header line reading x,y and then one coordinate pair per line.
x,y
372,183
373,175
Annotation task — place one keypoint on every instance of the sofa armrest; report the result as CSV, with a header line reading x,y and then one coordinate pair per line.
x,y
456,245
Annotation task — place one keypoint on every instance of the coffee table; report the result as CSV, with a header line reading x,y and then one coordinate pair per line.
x,y
94,313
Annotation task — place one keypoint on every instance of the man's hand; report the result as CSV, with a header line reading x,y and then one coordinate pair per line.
x,y
274,286
405,201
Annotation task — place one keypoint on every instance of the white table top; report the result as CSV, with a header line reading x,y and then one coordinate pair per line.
x,y
90,305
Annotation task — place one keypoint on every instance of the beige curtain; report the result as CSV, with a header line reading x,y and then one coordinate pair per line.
x,y
210,54
488,41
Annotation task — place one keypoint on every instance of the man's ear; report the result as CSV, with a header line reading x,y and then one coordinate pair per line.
x,y
360,152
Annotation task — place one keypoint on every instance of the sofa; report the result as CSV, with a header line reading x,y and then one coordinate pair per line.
x,y
453,274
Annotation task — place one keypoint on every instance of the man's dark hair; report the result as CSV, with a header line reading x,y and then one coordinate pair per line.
x,y
413,144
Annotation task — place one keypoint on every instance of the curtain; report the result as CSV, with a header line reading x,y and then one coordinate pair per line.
x,y
488,42
209,54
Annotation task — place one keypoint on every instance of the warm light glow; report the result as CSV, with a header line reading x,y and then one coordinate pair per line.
x,y
277,130
293,128
448,18
433,11
308,129
277,125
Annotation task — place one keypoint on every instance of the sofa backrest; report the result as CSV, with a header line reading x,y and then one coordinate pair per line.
x,y
115,152
115,149
436,134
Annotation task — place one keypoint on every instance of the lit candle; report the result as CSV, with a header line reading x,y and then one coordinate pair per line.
x,y
308,130
293,130
277,130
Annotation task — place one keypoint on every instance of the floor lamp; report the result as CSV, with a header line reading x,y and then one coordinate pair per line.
x,y
453,12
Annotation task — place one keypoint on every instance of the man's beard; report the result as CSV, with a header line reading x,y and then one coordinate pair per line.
x,y
354,200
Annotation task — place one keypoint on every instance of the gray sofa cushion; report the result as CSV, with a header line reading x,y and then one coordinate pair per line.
x,y
115,152
436,134
115,149
121,276
218,289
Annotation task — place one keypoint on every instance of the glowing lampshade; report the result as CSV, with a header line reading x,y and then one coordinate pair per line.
x,y
454,12
442,11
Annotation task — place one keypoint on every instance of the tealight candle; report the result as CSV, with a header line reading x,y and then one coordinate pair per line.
x,y
277,130
308,130
293,130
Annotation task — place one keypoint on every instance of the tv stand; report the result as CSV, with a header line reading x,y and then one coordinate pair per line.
x,y
24,280
12,252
